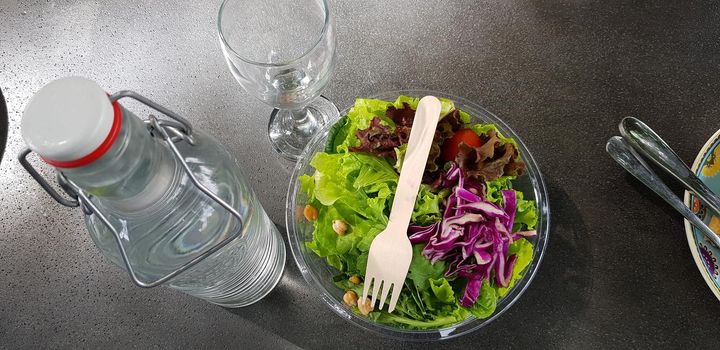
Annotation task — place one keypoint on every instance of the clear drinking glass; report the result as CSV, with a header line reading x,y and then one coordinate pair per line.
x,y
282,52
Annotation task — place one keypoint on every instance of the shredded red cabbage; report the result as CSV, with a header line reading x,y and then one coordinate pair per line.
x,y
473,236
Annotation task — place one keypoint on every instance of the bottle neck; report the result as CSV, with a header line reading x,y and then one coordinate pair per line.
x,y
134,173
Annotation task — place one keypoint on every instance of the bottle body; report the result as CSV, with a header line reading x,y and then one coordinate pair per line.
x,y
165,220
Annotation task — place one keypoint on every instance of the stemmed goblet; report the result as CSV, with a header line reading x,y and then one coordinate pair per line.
x,y
282,52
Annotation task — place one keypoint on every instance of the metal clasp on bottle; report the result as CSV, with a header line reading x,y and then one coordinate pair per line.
x,y
176,129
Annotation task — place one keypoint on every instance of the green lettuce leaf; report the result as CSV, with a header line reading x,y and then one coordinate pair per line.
x,y
400,156
442,290
307,185
359,118
342,281
446,106
334,261
464,117
427,207
410,323
336,135
493,188
525,214
421,270
524,251
352,178
354,188
425,312
486,302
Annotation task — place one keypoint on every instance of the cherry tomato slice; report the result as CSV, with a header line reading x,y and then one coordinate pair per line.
x,y
451,147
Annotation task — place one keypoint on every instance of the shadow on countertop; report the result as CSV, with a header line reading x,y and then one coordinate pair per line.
x,y
292,311
566,274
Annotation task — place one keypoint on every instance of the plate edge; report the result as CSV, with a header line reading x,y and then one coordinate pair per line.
x,y
689,235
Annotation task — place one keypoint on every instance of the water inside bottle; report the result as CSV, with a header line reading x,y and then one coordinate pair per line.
x,y
168,221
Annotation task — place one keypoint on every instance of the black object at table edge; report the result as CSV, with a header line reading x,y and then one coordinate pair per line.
x,y
3,124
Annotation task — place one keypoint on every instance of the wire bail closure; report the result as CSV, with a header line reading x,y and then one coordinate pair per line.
x,y
176,129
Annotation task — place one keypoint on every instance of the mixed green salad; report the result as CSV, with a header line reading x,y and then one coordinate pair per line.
x,y
469,227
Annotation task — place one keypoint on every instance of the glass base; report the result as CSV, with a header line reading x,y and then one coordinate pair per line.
x,y
291,130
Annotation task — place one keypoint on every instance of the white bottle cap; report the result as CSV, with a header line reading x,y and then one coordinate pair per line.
x,y
69,120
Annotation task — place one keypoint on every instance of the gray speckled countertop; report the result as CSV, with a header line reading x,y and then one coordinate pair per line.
x,y
617,274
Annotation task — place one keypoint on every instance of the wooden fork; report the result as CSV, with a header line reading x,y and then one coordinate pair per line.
x,y
391,251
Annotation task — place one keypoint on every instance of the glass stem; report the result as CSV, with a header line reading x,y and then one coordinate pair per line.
x,y
296,119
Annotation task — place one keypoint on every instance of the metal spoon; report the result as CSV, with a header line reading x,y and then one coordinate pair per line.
x,y
620,150
646,142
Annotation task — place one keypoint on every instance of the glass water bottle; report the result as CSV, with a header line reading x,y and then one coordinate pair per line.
x,y
164,201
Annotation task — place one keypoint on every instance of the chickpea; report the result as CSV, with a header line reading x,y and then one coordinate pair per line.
x,y
310,212
366,307
350,298
354,279
340,227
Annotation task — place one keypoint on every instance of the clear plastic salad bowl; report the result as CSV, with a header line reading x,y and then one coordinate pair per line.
x,y
320,275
